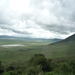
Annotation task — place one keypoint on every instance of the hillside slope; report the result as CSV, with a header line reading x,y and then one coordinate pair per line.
x,y
70,39
64,48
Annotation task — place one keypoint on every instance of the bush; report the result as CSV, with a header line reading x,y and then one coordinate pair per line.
x,y
34,70
39,59
49,73
9,68
72,67
66,68
1,68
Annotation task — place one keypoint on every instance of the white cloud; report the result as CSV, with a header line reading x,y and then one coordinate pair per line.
x,y
37,18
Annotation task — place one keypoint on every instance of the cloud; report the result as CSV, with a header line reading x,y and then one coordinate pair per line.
x,y
59,18
37,18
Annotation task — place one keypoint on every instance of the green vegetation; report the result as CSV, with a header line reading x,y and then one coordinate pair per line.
x,y
22,54
40,65
37,58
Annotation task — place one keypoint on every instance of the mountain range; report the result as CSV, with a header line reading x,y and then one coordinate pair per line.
x,y
28,38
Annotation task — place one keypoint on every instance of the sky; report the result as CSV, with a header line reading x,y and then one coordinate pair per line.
x,y
37,18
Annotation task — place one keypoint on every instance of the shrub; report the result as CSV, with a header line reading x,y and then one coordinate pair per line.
x,y
49,73
1,68
39,59
34,70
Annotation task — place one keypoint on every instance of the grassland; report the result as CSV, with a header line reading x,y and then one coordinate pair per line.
x,y
15,54
22,54
59,58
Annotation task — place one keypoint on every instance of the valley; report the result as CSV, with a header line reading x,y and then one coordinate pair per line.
x,y
22,50
15,52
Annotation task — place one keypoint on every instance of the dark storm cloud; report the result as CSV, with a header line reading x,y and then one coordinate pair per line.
x,y
63,29
15,31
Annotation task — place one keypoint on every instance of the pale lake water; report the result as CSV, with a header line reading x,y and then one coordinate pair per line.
x,y
12,45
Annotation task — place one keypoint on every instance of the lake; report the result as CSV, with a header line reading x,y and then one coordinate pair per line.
x,y
12,45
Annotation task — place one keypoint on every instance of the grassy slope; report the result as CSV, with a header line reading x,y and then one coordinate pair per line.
x,y
60,50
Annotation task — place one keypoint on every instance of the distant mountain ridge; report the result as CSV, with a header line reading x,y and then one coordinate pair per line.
x,y
28,38
5,36
67,40
70,38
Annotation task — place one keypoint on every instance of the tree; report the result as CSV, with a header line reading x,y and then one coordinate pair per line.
x,y
1,68
39,59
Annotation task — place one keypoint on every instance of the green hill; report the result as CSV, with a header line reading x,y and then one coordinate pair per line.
x,y
69,39
64,48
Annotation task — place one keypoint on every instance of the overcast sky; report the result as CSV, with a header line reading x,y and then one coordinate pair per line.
x,y
37,18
